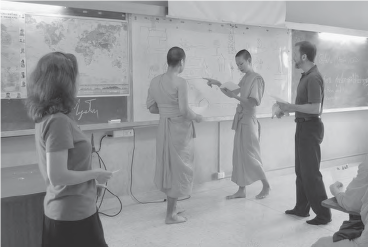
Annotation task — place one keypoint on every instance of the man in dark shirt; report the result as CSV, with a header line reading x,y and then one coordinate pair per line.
x,y
310,189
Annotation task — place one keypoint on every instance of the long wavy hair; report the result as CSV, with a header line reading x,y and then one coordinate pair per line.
x,y
52,87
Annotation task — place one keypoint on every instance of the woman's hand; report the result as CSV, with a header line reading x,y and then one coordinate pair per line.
x,y
211,82
100,187
102,176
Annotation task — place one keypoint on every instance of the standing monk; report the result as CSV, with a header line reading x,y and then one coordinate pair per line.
x,y
247,162
168,96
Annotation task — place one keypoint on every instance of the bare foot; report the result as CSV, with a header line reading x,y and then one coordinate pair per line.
x,y
179,211
236,195
264,193
175,219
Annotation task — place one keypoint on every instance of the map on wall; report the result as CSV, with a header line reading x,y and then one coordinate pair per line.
x,y
13,66
210,52
99,45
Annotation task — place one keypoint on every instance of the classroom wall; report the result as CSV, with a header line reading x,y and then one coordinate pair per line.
x,y
345,142
343,14
346,137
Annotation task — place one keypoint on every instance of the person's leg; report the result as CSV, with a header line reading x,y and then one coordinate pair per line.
x,y
237,173
171,216
85,232
310,158
265,189
302,205
178,210
239,194
266,185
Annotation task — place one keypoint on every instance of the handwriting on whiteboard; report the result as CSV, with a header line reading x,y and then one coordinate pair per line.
x,y
83,111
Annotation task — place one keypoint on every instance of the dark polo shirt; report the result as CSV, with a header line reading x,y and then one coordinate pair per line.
x,y
310,90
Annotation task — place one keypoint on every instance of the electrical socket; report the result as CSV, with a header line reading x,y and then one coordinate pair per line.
x,y
128,133
220,175
121,133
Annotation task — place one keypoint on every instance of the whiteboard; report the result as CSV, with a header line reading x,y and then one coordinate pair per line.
x,y
210,52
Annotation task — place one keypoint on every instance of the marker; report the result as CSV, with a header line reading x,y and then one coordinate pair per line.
x,y
114,121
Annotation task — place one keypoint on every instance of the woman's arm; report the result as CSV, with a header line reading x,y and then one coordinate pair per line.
x,y
58,173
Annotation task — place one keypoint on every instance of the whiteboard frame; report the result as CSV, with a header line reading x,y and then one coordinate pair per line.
x,y
130,114
224,22
328,29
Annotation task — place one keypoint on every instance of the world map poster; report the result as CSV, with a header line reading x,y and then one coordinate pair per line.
x,y
100,47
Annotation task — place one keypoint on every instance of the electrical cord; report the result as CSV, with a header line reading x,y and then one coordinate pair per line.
x,y
102,163
131,181
101,143
104,190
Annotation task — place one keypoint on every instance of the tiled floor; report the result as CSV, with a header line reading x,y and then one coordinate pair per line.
x,y
214,221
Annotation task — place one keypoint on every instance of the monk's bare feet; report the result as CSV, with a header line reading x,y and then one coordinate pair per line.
x,y
239,194
179,211
175,219
264,193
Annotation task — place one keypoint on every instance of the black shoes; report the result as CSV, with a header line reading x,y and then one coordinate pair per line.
x,y
317,222
293,212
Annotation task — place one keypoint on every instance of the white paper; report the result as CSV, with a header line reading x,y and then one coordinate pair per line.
x,y
199,109
279,99
229,85
276,109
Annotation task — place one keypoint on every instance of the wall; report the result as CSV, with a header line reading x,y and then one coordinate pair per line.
x,y
346,137
157,8
344,14
117,154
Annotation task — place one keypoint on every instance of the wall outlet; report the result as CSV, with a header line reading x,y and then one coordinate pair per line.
x,y
121,133
128,133
220,175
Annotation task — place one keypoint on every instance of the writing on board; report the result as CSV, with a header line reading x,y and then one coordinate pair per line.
x,y
210,52
87,109
343,64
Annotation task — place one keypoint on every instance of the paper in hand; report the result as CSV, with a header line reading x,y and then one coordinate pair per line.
x,y
276,111
201,107
230,86
279,99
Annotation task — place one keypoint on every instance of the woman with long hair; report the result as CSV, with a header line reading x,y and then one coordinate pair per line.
x,y
70,212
